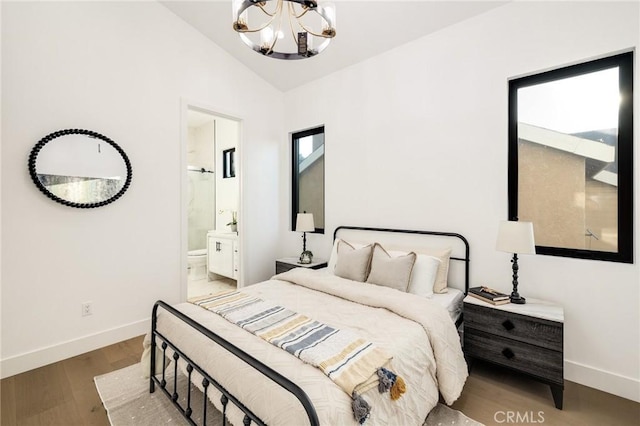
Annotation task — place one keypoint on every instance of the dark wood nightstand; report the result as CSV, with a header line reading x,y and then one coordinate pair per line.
x,y
286,263
526,338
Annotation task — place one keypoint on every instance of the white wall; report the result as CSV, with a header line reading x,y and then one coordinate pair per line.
x,y
420,135
227,189
123,70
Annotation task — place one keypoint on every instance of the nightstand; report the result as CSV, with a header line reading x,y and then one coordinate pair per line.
x,y
286,263
526,338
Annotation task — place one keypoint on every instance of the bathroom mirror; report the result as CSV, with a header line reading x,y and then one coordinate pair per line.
x,y
80,168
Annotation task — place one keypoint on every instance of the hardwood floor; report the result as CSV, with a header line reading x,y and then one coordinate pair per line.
x,y
64,394
493,395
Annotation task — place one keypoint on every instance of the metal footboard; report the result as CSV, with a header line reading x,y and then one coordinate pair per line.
x,y
187,411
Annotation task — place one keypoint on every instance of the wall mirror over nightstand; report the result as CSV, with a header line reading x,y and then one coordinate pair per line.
x,y
571,158
307,189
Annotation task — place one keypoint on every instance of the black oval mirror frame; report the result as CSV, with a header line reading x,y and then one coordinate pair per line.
x,y
50,137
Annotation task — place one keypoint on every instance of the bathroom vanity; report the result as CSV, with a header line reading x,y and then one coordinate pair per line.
x,y
222,249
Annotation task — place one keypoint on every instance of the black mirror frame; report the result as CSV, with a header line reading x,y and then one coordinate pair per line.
x,y
625,62
42,142
295,184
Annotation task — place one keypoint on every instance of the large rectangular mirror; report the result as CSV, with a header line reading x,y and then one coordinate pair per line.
x,y
308,176
571,158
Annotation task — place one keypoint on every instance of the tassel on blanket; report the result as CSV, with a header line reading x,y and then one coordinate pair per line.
x,y
398,388
387,380
361,408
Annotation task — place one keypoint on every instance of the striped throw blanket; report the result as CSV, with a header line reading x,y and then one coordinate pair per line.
x,y
350,361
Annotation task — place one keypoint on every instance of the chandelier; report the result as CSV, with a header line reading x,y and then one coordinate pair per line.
x,y
309,26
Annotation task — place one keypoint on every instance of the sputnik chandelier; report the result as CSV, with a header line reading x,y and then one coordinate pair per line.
x,y
311,26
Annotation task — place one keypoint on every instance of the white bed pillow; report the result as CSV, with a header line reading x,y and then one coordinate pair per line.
x,y
391,271
443,255
440,285
352,263
423,276
333,258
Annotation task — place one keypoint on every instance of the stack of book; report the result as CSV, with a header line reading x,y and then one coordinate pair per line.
x,y
489,295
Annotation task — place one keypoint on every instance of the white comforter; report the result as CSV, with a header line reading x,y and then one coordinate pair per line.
x,y
418,334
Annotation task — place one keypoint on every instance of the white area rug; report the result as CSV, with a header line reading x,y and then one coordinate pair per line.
x,y
125,395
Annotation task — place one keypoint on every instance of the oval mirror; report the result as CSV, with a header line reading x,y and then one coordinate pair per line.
x,y
80,168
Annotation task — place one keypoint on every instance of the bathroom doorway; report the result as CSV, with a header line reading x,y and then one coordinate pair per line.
x,y
211,195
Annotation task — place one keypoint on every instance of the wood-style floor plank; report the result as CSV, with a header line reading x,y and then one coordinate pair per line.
x,y
80,372
43,389
64,394
8,401
492,393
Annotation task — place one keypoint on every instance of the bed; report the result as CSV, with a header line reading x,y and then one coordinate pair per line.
x,y
252,381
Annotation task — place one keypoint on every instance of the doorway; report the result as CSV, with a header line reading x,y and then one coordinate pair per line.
x,y
211,201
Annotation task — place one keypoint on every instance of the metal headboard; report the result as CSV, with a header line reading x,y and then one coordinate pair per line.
x,y
464,259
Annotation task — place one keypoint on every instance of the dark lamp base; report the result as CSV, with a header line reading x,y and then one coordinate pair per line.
x,y
518,300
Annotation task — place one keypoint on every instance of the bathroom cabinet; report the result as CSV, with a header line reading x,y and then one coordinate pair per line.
x,y
222,249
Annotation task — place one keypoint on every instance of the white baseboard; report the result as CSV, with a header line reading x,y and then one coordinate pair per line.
x,y
28,361
625,387
606,381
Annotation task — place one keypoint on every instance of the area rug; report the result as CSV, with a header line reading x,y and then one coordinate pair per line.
x,y
125,395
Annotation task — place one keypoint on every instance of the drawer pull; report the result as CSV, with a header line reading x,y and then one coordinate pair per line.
x,y
508,353
508,325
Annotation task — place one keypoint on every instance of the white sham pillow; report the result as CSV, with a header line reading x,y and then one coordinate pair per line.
x,y
424,275
440,286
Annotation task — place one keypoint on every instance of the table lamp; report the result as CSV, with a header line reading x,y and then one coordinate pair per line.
x,y
304,224
517,238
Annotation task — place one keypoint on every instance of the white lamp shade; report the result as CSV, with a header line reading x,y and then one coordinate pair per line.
x,y
516,237
304,222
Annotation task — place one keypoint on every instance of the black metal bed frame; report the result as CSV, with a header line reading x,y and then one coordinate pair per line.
x,y
276,377
208,380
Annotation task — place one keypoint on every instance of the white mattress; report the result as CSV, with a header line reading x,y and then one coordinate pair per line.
x,y
451,301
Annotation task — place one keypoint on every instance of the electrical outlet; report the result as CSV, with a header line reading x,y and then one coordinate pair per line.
x,y
87,309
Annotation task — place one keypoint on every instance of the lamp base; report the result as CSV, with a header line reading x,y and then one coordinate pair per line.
x,y
518,300
515,296
306,257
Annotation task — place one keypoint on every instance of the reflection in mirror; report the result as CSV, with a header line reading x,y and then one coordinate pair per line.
x,y
569,167
80,168
308,176
229,163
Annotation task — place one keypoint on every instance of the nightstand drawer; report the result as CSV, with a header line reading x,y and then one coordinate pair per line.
x,y
283,267
543,363
537,331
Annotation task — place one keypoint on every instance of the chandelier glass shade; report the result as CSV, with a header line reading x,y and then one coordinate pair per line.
x,y
285,29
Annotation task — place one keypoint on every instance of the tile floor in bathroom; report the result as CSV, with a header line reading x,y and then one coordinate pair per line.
x,y
203,286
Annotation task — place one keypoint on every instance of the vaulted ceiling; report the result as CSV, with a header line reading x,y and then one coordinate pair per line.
x,y
364,29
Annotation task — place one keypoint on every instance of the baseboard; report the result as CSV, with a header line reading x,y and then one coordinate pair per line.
x,y
28,361
606,381
625,387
